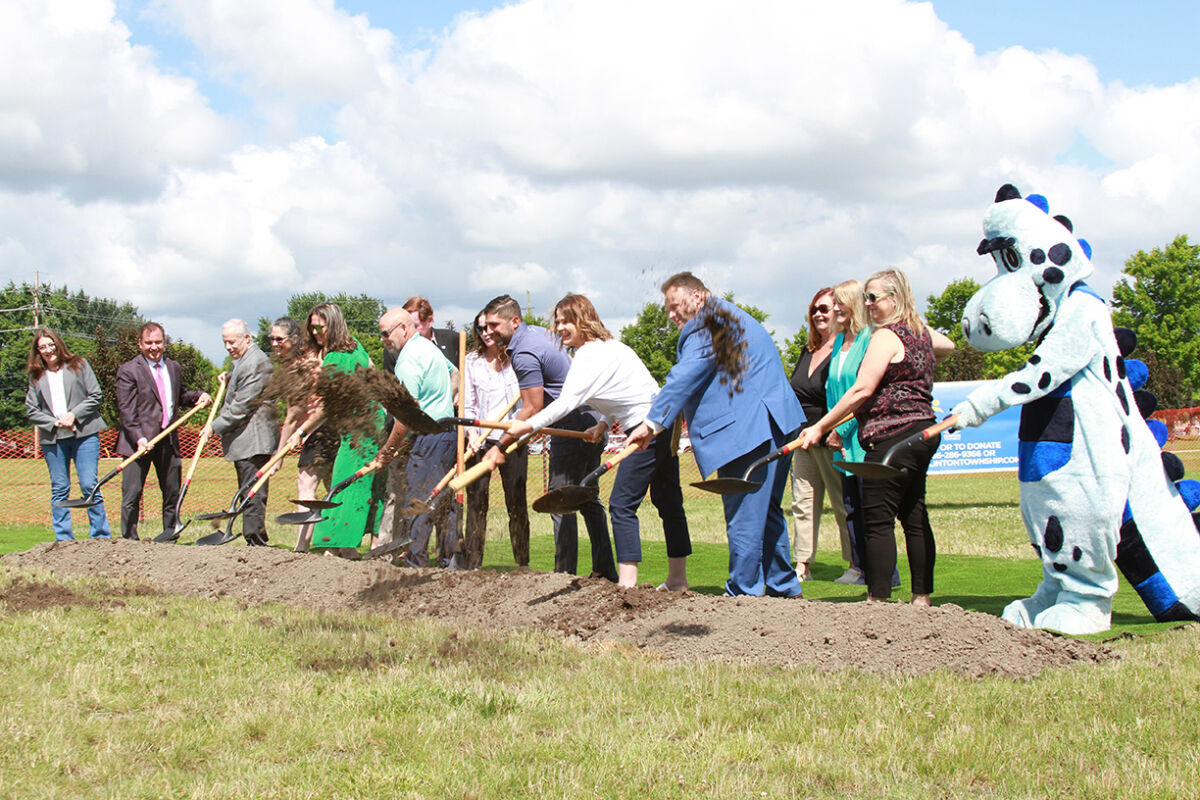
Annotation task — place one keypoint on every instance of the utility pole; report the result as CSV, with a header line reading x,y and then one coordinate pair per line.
x,y
36,294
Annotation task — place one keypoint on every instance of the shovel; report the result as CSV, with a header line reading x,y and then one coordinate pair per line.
x,y
566,499
90,500
416,506
744,484
884,470
242,497
503,426
485,467
315,507
171,536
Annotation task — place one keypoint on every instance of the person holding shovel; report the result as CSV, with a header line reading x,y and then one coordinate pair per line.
x,y
492,392
892,398
730,387
608,375
149,393
249,435
541,367
425,372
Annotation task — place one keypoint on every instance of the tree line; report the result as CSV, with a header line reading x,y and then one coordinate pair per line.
x,y
1157,295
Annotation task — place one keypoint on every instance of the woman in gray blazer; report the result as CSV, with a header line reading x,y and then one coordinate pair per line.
x,y
63,403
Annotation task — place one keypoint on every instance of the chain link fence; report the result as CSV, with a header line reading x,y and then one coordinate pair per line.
x,y
25,482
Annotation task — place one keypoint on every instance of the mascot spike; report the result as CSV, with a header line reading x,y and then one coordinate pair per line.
x,y
1093,478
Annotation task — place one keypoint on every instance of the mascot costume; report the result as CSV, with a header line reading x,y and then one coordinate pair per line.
x,y
1095,486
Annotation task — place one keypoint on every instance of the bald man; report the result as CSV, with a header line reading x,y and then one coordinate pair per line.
x,y
425,372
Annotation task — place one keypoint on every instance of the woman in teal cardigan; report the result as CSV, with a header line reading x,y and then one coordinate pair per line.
x,y
849,347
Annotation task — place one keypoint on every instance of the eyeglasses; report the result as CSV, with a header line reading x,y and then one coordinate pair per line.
x,y
873,298
384,334
316,327
824,308
50,346
276,339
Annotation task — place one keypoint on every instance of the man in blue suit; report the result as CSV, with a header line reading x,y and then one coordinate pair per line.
x,y
738,408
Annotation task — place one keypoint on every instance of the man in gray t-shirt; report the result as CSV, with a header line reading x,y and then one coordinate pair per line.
x,y
541,365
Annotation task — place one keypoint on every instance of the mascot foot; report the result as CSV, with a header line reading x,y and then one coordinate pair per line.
x,y
1077,615
1073,614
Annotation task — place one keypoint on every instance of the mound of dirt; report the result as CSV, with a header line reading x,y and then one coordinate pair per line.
x,y
884,638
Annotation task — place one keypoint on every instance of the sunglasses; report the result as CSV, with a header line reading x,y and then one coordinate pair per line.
x,y
823,308
384,334
316,327
871,297
276,339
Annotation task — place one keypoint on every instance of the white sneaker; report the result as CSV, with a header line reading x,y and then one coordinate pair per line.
x,y
853,576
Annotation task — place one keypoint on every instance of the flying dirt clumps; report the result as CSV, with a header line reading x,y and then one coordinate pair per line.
x,y
728,344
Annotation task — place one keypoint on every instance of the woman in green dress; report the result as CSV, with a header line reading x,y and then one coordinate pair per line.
x,y
343,526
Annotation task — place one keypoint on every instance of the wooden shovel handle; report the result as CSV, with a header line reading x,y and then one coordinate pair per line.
x,y
164,433
222,384
484,467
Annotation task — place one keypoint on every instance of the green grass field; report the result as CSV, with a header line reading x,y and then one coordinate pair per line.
x,y
180,697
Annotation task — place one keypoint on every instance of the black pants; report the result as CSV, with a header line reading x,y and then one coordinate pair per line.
x,y
513,478
254,516
570,461
903,498
133,481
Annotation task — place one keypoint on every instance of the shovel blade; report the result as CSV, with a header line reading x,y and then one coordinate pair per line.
x,y
166,537
565,499
227,514
317,505
727,485
866,469
83,502
299,518
216,538
385,549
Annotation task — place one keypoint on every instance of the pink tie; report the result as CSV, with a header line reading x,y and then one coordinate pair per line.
x,y
162,394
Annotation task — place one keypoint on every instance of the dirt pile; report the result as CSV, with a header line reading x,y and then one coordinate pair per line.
x,y
879,637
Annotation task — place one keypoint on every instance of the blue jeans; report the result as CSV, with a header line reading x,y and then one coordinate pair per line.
x,y
85,452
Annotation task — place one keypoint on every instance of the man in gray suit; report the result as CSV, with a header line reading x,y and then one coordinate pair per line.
x,y
247,428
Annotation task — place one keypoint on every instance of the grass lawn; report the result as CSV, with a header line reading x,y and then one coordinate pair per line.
x,y
165,696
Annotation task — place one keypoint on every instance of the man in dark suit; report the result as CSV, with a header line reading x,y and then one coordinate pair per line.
x,y
732,420
149,393
249,435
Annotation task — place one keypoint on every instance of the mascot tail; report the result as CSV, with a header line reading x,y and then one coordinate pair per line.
x,y
1159,549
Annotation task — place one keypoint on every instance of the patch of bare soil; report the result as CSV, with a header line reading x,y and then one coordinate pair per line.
x,y
885,638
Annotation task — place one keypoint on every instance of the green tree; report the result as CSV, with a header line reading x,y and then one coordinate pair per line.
x,y
1158,297
653,337
362,313
944,312
79,319
793,348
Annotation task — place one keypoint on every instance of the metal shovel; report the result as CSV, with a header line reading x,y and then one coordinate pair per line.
x,y
566,499
315,507
883,470
729,485
173,535
90,500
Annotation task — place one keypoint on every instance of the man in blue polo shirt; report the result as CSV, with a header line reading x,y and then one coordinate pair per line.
x,y
541,364
425,372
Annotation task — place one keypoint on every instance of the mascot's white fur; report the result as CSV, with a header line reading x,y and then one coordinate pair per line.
x,y
1095,488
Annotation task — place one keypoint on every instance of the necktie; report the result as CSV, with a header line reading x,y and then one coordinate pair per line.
x,y
162,394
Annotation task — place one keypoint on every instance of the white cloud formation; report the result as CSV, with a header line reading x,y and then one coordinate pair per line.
x,y
583,145
83,110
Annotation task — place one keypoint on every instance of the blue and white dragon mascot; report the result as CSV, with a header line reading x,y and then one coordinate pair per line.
x,y
1095,487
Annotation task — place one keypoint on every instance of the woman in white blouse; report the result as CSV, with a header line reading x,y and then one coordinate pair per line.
x,y
491,386
609,376
63,403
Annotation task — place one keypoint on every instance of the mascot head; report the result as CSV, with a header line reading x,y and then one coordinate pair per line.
x,y
1038,260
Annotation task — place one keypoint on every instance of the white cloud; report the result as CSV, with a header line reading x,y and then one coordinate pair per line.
x,y
83,110
772,146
